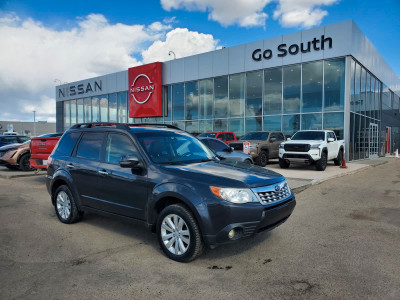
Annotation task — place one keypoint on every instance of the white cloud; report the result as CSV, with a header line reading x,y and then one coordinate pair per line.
x,y
246,13
32,55
302,13
182,42
250,13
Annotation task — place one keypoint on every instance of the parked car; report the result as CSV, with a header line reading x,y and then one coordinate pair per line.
x,y
15,156
12,139
222,149
264,145
312,146
41,148
168,180
225,136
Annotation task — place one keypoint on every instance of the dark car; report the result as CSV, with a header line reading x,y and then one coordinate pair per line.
x,y
223,150
167,179
12,139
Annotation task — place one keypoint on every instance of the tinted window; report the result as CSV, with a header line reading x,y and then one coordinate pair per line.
x,y
209,134
117,147
217,145
11,140
309,135
90,146
23,139
277,136
67,143
229,137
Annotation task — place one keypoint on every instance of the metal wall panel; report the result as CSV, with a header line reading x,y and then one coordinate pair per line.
x,y
220,62
191,68
272,44
177,70
205,65
308,36
289,39
236,59
249,63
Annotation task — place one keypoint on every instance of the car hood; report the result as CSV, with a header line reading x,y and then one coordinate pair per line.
x,y
10,146
226,173
310,142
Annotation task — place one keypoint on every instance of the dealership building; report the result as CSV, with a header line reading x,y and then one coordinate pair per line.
x,y
330,77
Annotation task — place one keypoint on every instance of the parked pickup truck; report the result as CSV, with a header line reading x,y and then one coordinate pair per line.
x,y
41,148
312,146
263,145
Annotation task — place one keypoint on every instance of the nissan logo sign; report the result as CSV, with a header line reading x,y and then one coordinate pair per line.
x,y
142,88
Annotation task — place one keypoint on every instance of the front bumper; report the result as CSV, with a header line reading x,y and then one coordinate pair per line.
x,y
248,221
301,157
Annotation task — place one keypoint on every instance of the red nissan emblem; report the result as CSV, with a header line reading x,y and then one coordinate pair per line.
x,y
142,88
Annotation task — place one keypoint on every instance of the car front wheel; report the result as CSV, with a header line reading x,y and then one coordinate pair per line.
x,y
262,159
320,165
179,234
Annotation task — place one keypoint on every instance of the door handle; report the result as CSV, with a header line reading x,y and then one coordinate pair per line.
x,y
103,172
70,166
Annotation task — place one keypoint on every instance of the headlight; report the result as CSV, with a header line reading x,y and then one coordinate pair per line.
x,y
282,146
234,195
315,146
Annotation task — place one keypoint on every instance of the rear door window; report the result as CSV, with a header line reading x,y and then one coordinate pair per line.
x,y
11,140
90,146
217,145
229,137
67,143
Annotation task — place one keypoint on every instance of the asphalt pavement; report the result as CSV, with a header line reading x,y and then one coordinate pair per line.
x,y
342,241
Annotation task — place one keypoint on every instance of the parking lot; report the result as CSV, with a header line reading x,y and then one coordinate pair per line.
x,y
342,241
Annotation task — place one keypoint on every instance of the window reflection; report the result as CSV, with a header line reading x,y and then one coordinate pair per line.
x,y
192,100
291,89
236,95
312,87
291,124
273,91
311,122
254,94
178,102
221,97
112,107
103,108
206,98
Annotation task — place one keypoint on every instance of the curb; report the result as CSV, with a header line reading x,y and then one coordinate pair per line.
x,y
10,176
318,181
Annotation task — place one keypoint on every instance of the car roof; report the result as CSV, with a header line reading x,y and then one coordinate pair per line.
x,y
136,128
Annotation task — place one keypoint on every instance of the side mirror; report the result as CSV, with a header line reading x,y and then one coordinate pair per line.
x,y
330,140
272,140
129,161
288,139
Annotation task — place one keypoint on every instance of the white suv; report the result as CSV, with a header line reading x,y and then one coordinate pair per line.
x,y
312,146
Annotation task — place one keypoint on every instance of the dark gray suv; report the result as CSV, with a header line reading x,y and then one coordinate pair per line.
x,y
166,179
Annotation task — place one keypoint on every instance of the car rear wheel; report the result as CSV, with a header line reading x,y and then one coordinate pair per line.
x,y
179,234
65,206
262,159
320,165
339,159
24,163
283,163
248,161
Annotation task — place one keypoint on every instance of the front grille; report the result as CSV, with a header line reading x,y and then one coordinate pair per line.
x,y
297,147
273,193
301,156
237,146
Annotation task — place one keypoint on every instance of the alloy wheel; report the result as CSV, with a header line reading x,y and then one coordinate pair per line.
x,y
63,205
175,234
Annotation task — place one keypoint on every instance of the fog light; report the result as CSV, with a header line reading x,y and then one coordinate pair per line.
x,y
231,234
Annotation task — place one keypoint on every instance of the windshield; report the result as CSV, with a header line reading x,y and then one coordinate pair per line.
x,y
309,135
166,147
208,134
255,136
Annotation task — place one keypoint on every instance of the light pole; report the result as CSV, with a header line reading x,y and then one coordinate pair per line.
x,y
169,54
34,122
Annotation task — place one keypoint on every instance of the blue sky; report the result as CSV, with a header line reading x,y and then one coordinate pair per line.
x,y
207,22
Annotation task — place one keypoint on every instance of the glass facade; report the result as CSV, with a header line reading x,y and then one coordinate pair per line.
x,y
304,96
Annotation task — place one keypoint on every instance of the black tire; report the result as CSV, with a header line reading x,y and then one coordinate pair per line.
x,y
195,245
262,159
24,164
339,159
283,163
320,165
74,215
248,161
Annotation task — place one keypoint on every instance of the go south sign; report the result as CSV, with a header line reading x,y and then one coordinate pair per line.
x,y
145,91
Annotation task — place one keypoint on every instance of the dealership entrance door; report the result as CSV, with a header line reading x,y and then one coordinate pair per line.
x,y
373,140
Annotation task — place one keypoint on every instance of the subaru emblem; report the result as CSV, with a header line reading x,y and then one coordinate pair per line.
x,y
277,188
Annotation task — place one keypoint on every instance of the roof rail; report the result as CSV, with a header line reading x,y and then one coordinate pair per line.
x,y
125,126
152,125
100,124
